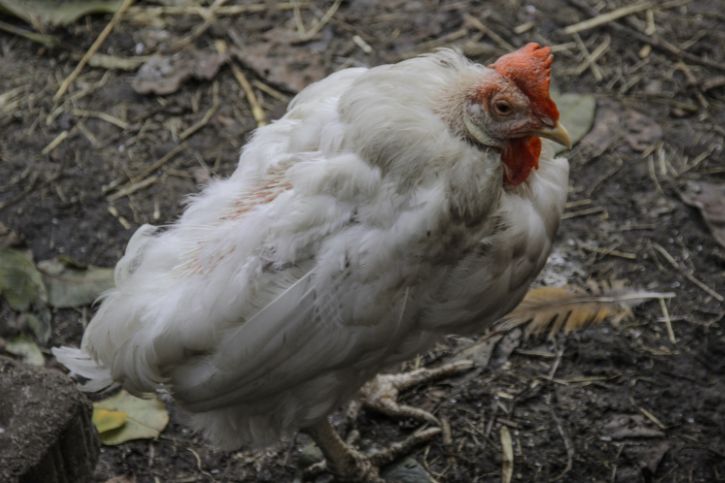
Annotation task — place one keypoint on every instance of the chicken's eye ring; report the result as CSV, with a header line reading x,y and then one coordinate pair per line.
x,y
502,108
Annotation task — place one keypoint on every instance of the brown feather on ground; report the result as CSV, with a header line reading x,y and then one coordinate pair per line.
x,y
570,308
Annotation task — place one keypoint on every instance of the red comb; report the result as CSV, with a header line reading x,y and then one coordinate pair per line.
x,y
530,69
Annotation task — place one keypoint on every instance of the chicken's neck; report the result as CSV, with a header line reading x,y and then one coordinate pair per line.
x,y
520,156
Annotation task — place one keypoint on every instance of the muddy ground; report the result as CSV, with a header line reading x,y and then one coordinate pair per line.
x,y
604,404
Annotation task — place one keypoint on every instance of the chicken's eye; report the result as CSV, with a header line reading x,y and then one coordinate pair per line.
x,y
502,108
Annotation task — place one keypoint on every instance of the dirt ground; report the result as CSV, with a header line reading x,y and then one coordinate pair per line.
x,y
625,404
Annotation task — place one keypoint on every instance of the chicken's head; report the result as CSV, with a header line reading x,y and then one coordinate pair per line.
x,y
511,109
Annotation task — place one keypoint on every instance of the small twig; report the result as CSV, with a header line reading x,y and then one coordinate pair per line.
x,y
590,61
360,42
609,252
507,456
122,220
586,212
299,23
230,10
147,171
697,160
92,50
647,414
103,116
132,188
270,91
668,321
207,115
209,15
656,42
477,24
670,259
608,17
254,105
55,142
567,445
44,39
315,29
653,174
606,176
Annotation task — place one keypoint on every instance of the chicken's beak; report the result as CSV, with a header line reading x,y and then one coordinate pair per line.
x,y
558,134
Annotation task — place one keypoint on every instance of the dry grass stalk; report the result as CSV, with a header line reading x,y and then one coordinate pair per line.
x,y
605,18
68,81
507,456
478,25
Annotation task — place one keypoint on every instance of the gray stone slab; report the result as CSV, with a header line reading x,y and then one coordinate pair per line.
x,y
46,434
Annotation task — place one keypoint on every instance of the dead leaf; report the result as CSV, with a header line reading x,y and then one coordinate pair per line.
x,y
146,418
604,132
39,324
25,348
107,420
577,115
571,308
709,198
291,67
165,74
73,287
43,13
20,282
641,131
624,426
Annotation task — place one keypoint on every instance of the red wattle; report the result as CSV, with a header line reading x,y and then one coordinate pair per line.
x,y
521,156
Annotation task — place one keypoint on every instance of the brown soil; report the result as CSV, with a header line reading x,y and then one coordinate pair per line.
x,y
603,404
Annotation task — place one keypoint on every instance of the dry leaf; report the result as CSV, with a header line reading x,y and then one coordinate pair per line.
x,y
641,131
577,115
146,418
20,282
165,74
291,67
710,199
25,348
604,132
107,419
41,13
625,426
72,287
571,308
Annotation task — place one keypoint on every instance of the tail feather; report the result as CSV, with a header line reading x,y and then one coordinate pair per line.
x,y
81,364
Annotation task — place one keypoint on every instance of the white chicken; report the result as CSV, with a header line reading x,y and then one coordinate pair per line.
x,y
390,206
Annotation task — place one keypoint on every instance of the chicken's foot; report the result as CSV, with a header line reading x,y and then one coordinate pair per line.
x,y
381,394
352,466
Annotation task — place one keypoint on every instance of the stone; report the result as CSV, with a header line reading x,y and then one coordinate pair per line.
x,y
46,433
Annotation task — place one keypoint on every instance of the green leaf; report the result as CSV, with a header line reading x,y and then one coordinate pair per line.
x,y
71,287
146,418
106,420
577,114
38,323
41,13
25,348
20,282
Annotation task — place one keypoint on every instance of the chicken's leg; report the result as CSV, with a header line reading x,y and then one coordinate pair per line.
x,y
345,462
350,465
